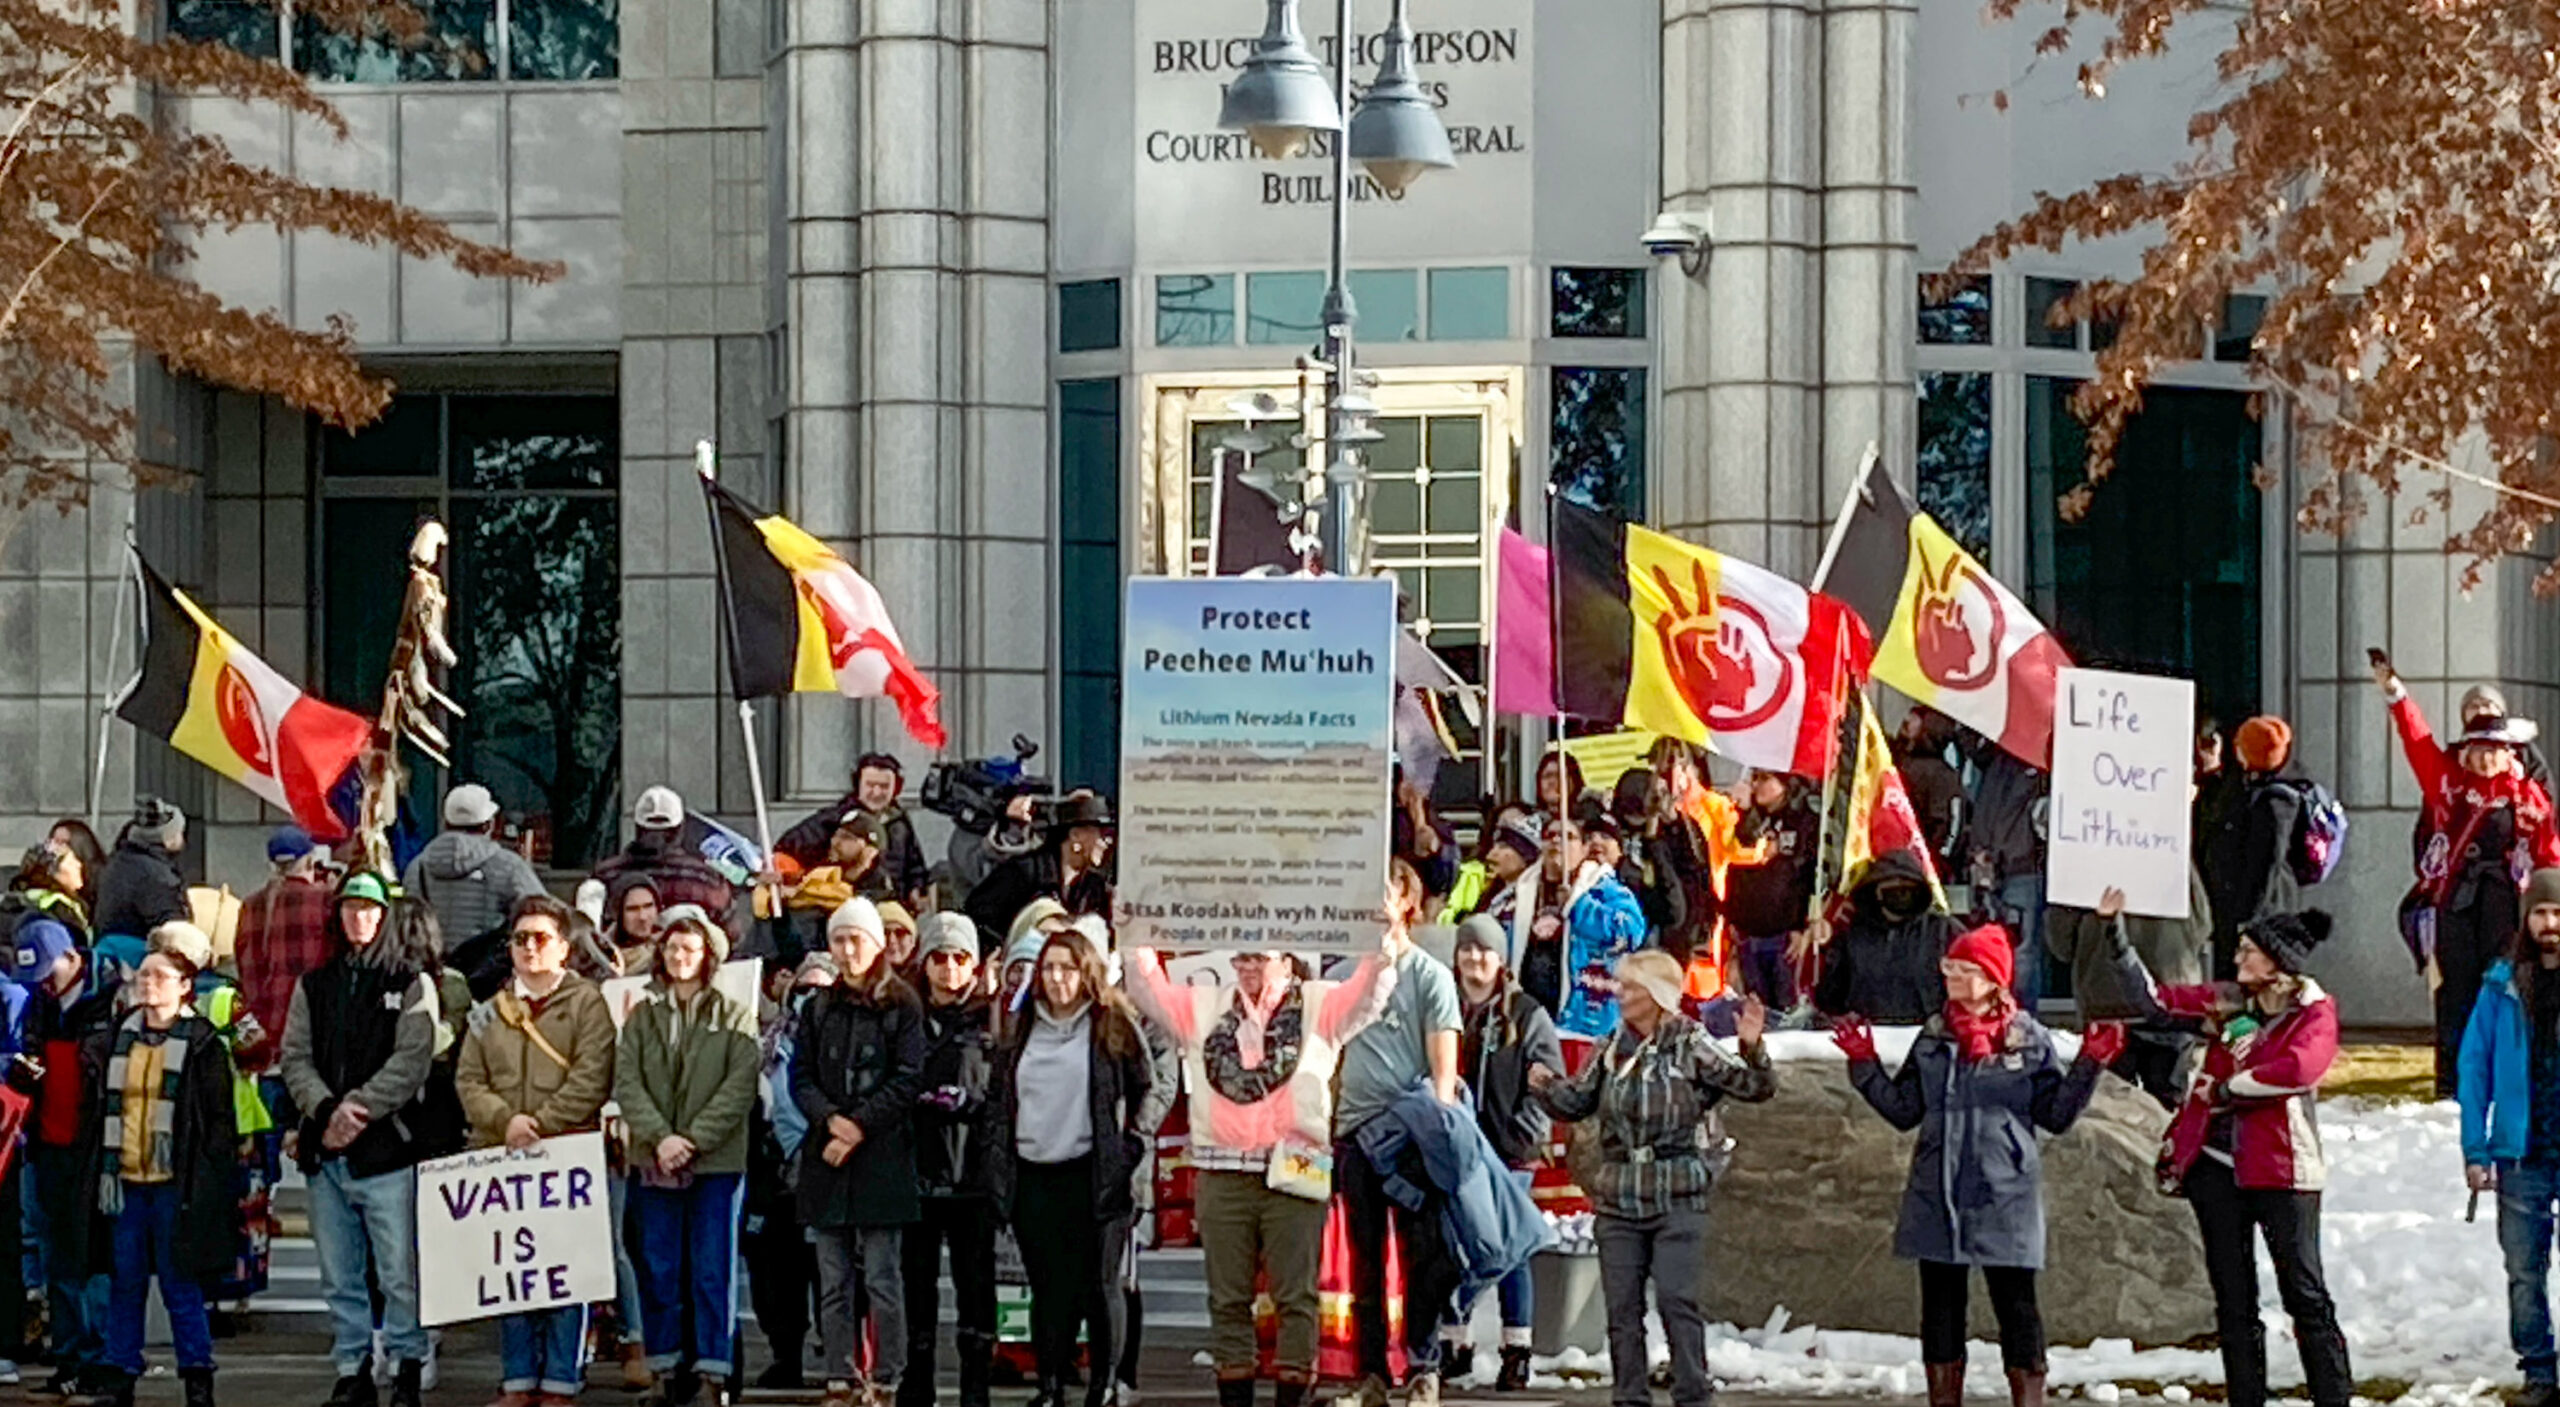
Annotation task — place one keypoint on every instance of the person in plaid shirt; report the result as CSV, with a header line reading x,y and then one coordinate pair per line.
x,y
283,933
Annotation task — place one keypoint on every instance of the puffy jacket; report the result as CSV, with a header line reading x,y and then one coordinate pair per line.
x,y
2175,951
1880,967
2496,1072
1116,1094
2456,805
1774,894
1976,1192
689,1067
951,1137
860,1053
902,861
2267,1075
1602,923
2248,865
503,1072
471,881
1502,1038
139,889
1488,1223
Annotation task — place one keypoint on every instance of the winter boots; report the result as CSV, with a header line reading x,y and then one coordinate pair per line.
x,y
1515,1369
2026,1389
408,1386
1946,1384
356,1389
1284,1393
199,1383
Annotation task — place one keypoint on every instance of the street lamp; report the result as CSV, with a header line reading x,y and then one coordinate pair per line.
x,y
1278,101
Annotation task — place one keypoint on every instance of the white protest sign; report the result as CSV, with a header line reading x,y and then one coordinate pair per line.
x,y
501,1232
2123,754
742,979
1256,742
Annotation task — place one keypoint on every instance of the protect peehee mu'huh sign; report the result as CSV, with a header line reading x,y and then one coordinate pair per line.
x,y
502,1232
2123,756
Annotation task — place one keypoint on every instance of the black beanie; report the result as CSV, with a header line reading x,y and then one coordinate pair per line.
x,y
2289,938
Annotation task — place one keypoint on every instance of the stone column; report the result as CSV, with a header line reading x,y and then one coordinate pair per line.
x,y
917,292
1742,370
1869,248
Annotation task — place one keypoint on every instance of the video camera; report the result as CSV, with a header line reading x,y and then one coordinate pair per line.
x,y
973,793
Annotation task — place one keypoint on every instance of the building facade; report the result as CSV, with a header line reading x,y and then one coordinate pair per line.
x,y
978,289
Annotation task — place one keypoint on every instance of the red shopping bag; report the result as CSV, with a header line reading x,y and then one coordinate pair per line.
x,y
1337,1313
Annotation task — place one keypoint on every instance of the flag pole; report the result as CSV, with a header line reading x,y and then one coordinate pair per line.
x,y
107,710
706,460
1840,525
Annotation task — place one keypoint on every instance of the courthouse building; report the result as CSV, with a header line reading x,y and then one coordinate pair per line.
x,y
977,288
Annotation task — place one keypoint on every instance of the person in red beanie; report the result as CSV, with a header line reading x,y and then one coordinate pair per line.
x,y
1981,1079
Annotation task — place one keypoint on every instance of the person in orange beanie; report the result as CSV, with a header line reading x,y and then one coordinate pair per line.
x,y
2247,861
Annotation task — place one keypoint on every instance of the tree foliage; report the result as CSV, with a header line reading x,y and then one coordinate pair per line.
x,y
2385,168
102,194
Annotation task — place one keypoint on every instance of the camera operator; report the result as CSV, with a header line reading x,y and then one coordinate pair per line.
x,y
878,780
1068,860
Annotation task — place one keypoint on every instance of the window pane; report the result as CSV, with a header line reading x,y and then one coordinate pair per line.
x,y
246,25
535,442
461,43
1390,304
564,40
1599,302
1955,456
407,442
1470,305
1457,442
1596,444
1089,316
1450,595
1195,310
1401,450
1963,318
1395,505
2042,296
1284,308
1089,463
2241,315
1455,504
538,601
362,587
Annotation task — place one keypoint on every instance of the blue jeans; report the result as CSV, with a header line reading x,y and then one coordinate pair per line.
x,y
627,1303
147,1246
66,1191
2022,906
1767,974
689,1251
2527,1193
359,1219
544,1351
1517,1291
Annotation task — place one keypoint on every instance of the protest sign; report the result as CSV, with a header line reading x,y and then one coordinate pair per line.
x,y
741,979
1256,741
501,1232
2123,756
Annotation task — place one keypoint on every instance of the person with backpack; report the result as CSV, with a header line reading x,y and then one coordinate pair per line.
x,y
2248,867
359,1042
471,880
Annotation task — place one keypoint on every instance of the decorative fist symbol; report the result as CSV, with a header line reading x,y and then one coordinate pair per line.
x,y
1710,658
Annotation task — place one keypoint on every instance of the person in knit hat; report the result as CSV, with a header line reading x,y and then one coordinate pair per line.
x,y
1975,1198
2509,1079
2244,1149
2248,860
140,887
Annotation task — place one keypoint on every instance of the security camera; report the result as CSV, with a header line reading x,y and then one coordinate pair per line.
x,y
1678,234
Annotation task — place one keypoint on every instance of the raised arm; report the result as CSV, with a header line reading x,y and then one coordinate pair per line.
x,y
2417,740
1898,1096
1163,1003
1749,1078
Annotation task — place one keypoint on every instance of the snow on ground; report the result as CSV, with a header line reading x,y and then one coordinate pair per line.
x,y
2421,1293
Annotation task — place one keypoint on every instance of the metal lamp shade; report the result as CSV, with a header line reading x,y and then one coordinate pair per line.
x,y
1395,132
1282,97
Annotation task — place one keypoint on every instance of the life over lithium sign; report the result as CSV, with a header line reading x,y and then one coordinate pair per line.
x,y
502,1232
2123,759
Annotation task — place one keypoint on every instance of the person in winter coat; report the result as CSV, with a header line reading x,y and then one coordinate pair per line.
x,y
1661,859
685,1076
1560,785
878,778
49,882
1980,1081
2510,1081
1258,1059
1882,963
2244,1149
1652,1087
857,1067
1937,789
2248,864
1063,1103
1164,1085
1601,923
1070,865
952,1140
359,1042
1767,903
472,881
1505,1036
283,935
64,1009
2004,844
676,871
1507,851
536,1063
141,888
782,1267
2176,952
2485,824
168,1162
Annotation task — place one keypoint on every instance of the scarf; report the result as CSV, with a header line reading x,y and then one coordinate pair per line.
x,y
164,1103
1981,1036
1253,1050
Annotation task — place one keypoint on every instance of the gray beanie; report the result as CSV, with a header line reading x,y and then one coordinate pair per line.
x,y
158,821
2482,699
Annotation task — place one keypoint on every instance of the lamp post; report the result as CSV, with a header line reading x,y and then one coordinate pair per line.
x,y
1281,100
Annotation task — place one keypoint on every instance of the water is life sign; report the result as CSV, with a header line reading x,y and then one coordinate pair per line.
x,y
502,1232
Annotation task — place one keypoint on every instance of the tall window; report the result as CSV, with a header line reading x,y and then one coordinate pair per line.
x,y
1595,445
466,40
1088,751
527,485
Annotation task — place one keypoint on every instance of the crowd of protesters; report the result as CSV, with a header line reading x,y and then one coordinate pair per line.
x,y
936,1055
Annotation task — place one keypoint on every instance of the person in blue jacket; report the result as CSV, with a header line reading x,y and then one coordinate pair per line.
x,y
1603,922
2508,1079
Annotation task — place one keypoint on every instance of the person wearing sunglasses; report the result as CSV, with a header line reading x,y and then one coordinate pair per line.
x,y
951,1170
537,1063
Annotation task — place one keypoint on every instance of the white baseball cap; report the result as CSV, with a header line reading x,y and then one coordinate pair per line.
x,y
469,805
660,809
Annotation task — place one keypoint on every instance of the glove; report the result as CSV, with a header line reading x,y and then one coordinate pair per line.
x,y
1856,1039
2102,1043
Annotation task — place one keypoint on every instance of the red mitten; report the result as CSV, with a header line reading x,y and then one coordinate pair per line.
x,y
1856,1039
2103,1042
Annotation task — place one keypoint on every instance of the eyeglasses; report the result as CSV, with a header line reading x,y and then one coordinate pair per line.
x,y
530,938
957,959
